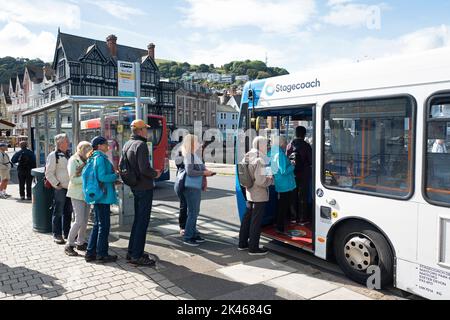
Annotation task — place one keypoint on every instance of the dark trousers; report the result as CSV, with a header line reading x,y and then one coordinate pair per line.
x,y
183,212
286,208
98,240
250,232
303,209
62,214
25,178
142,210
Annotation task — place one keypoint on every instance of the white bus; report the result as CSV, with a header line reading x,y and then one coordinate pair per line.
x,y
380,192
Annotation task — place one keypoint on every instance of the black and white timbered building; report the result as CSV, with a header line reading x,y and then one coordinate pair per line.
x,y
88,67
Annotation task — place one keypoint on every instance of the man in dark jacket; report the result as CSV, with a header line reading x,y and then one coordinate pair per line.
x,y
26,161
138,156
300,154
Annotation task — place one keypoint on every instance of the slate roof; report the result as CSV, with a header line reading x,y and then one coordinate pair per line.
x,y
226,108
36,74
76,47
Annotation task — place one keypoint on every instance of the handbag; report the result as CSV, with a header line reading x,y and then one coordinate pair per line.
x,y
195,183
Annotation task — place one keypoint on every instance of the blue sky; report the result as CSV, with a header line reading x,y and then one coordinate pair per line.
x,y
295,34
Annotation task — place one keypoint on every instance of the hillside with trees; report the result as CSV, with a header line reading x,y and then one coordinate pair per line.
x,y
254,69
10,66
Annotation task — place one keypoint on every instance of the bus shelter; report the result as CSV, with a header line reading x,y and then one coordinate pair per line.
x,y
83,118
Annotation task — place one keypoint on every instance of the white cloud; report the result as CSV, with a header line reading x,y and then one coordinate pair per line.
x,y
346,13
118,9
231,51
272,16
43,12
348,51
18,41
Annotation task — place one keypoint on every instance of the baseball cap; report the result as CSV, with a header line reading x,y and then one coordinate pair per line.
x,y
97,141
3,145
139,124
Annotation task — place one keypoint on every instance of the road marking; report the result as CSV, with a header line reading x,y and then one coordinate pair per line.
x,y
163,210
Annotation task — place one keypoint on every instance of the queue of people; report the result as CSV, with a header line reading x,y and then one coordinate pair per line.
x,y
88,179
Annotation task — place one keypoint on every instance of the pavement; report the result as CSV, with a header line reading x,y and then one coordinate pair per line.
x,y
32,267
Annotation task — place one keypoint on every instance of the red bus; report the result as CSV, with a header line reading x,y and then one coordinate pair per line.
x,y
158,139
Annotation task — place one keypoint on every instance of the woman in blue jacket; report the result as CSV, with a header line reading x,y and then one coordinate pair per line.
x,y
283,172
98,241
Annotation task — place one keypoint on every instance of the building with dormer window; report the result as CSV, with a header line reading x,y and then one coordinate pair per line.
x,y
88,67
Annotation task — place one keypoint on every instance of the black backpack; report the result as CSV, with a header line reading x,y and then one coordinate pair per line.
x,y
126,172
297,146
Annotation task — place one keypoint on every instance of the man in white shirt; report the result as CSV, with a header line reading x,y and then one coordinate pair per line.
x,y
5,170
439,146
57,174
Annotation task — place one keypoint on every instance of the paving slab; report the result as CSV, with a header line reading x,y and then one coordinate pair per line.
x,y
256,271
342,294
303,285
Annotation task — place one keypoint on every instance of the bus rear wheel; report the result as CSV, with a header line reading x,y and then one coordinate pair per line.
x,y
358,247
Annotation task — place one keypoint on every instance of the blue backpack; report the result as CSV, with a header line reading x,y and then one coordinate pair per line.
x,y
93,190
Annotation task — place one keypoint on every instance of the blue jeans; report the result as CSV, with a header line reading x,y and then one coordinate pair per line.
x,y
193,199
142,210
62,214
98,241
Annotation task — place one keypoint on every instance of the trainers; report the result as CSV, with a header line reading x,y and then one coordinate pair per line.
x,y
70,251
191,243
145,255
22,198
83,247
90,258
199,239
243,248
2,196
143,262
59,240
29,199
107,259
258,252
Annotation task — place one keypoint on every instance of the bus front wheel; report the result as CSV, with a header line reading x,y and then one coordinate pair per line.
x,y
359,249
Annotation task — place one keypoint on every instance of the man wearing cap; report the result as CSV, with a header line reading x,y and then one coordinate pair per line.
x,y
5,170
137,153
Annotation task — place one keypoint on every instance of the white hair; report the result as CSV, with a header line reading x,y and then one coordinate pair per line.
x,y
60,138
84,148
260,142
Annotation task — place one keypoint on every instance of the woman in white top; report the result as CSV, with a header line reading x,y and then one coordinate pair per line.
x,y
80,207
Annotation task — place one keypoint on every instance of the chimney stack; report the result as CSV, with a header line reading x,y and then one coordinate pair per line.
x,y
111,42
151,50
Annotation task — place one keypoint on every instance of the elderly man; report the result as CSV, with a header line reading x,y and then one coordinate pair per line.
x,y
137,154
57,173
5,170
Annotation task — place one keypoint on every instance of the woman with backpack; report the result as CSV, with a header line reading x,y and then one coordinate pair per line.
x,y
194,184
98,188
75,192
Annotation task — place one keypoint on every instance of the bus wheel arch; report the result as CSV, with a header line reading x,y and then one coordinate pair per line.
x,y
350,234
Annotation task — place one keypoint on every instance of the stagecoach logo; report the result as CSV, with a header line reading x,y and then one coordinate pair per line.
x,y
271,89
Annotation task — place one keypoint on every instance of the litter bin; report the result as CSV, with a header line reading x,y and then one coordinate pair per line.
x,y
42,203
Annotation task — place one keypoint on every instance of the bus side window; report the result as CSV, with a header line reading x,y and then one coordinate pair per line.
x,y
438,147
368,146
